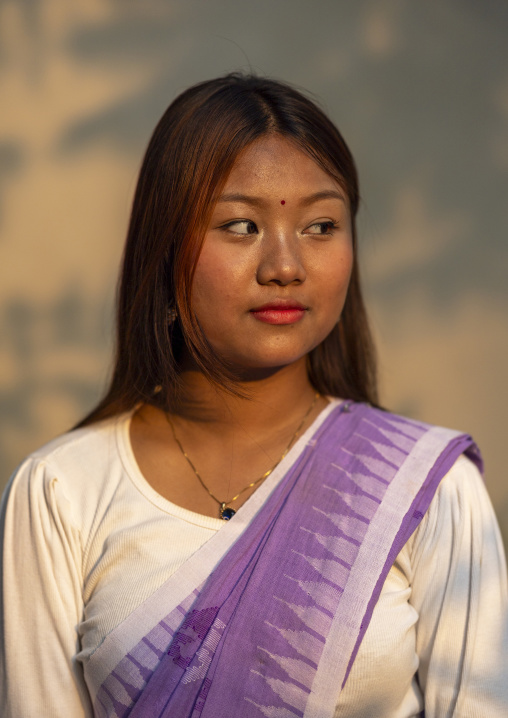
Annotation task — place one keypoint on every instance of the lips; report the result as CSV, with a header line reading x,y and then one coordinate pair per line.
x,y
280,312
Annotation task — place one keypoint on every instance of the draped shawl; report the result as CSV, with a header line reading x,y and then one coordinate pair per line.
x,y
272,626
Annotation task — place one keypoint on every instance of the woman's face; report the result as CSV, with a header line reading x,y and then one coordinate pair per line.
x,y
273,273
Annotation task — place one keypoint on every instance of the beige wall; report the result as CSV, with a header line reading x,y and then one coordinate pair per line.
x,y
420,91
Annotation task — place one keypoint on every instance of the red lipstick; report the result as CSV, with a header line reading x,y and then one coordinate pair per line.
x,y
280,311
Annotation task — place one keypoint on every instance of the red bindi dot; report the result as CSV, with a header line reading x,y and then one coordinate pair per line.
x,y
283,201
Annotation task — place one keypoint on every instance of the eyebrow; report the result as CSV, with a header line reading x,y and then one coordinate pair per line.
x,y
246,199
305,202
324,194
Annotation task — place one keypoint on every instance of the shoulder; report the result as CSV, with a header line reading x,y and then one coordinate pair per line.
x,y
74,445
390,421
74,469
460,514
384,423
461,492
401,441
463,481
78,452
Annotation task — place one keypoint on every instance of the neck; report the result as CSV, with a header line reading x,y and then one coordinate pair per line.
x,y
233,441
275,398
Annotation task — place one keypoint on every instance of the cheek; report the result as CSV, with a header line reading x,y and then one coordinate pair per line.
x,y
214,282
334,275
204,289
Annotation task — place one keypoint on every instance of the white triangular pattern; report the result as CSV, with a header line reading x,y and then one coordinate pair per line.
x,y
323,594
159,638
302,641
296,669
272,711
129,672
290,694
408,429
118,691
331,570
337,545
401,440
344,471
362,505
374,488
101,711
313,617
354,525
363,482
381,468
146,658
108,705
390,453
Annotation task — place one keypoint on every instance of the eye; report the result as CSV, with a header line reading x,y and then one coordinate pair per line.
x,y
322,228
240,226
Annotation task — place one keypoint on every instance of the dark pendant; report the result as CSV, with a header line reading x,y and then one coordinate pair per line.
x,y
227,514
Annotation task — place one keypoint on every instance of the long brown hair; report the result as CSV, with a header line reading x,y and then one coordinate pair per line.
x,y
188,159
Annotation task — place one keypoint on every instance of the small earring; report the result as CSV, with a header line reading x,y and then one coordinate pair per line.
x,y
172,314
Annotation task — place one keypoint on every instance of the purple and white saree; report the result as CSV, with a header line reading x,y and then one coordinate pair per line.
x,y
267,617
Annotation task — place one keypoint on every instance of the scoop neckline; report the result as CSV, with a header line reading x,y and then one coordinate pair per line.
x,y
131,466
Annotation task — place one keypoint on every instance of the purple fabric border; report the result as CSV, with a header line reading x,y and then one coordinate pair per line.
x,y
307,535
462,444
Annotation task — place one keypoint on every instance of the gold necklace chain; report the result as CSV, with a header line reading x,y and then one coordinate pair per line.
x,y
228,513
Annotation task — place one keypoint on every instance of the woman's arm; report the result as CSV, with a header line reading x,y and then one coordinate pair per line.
x,y
41,599
459,589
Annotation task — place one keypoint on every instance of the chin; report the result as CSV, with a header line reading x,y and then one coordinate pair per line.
x,y
266,356
267,365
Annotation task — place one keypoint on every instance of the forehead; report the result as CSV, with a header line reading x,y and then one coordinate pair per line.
x,y
275,164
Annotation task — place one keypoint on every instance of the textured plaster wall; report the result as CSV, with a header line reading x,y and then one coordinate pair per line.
x,y
420,91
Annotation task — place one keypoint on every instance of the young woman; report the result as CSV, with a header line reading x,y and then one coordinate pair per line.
x,y
236,529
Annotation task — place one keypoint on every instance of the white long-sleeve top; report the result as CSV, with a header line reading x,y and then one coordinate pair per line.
x,y
86,540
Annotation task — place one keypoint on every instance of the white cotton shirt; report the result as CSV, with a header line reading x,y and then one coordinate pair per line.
x,y
86,540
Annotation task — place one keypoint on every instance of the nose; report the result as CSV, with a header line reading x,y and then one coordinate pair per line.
x,y
280,262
